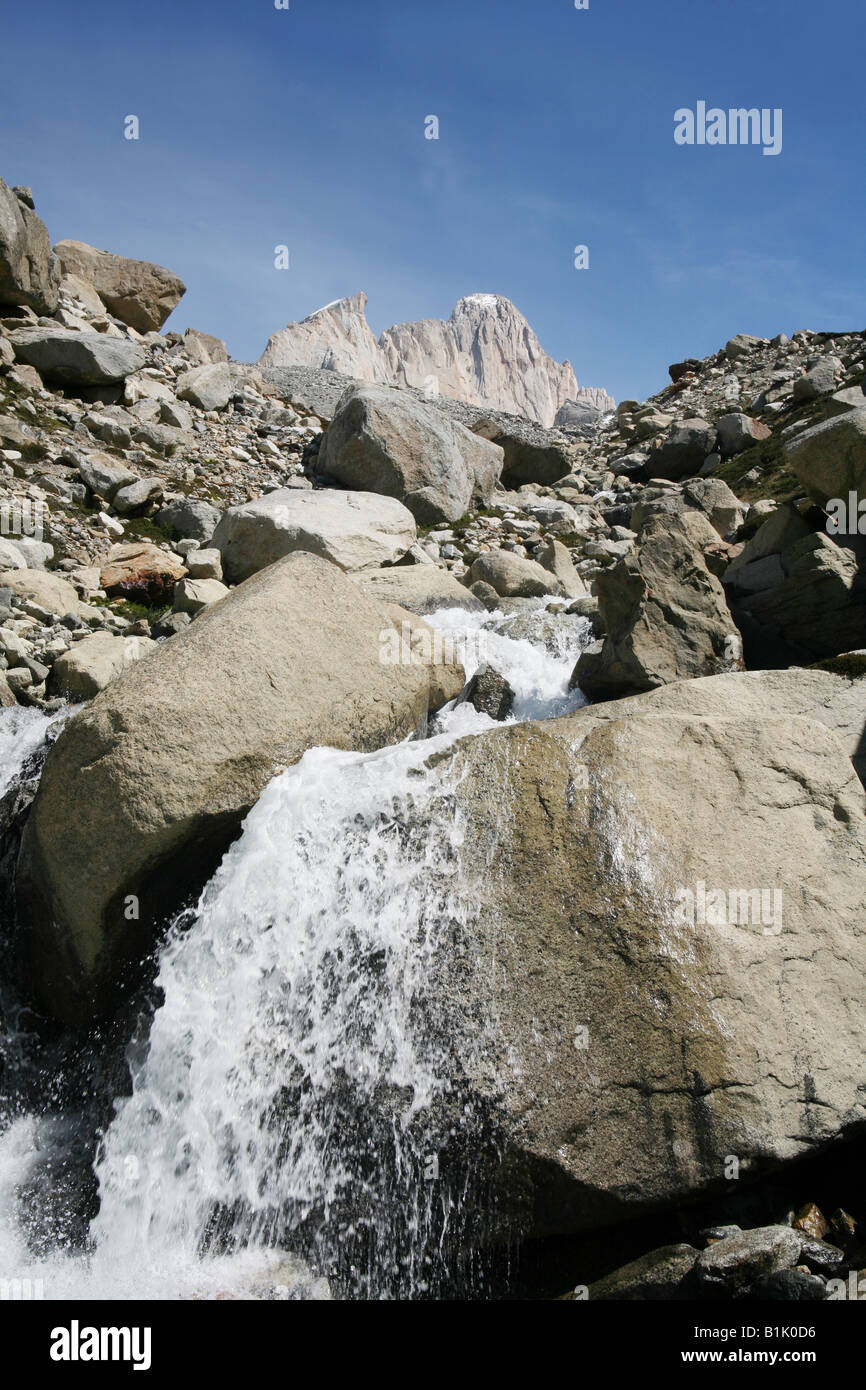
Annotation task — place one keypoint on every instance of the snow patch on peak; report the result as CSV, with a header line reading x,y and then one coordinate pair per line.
x,y
483,301
354,303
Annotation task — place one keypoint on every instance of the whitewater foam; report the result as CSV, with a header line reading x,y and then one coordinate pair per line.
x,y
296,1087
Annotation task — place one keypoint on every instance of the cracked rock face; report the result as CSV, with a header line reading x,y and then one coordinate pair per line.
x,y
485,354
29,273
636,1050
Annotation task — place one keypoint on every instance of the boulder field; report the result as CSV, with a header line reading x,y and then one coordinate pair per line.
x,y
658,965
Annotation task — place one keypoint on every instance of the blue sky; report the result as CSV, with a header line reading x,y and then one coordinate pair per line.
x,y
305,127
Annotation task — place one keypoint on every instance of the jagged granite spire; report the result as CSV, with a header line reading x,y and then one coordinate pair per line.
x,y
486,354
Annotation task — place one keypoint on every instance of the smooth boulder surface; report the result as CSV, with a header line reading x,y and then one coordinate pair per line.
x,y
738,432
714,498
355,530
135,498
830,459
11,558
146,787
782,528
94,663
833,695
209,387
625,1048
204,348
661,1275
665,615
556,557
512,576
72,358
136,292
577,415
29,273
188,518
420,588
49,591
388,441
192,595
103,475
743,1257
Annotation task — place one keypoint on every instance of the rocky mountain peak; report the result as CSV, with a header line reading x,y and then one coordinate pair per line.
x,y
485,354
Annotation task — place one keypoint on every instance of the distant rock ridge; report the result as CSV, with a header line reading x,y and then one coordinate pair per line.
x,y
486,354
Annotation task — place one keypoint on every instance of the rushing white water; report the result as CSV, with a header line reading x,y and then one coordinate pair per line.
x,y
294,1090
537,664
22,732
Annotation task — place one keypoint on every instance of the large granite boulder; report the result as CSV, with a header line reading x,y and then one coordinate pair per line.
x,y
188,518
532,454
50,591
140,571
29,273
830,459
209,387
72,358
136,292
665,616
832,693
805,603
420,588
683,453
390,442
513,576
355,530
145,788
704,1003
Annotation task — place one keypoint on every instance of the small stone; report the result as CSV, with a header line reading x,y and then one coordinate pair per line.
x,y
204,564
711,1234
135,497
790,1286
819,1256
489,693
19,678
170,624
811,1220
192,595
738,1261
844,1227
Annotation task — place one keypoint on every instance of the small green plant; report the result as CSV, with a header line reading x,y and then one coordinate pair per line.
x,y
145,529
